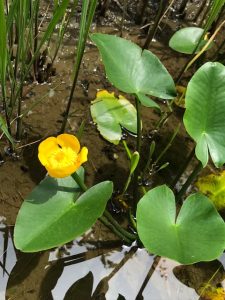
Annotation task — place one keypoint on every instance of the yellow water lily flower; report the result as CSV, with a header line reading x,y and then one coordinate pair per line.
x,y
61,155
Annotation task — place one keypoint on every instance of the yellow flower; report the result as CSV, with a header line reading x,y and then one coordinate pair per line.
x,y
61,156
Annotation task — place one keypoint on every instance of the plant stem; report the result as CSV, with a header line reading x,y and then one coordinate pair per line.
x,y
104,220
183,168
79,181
189,181
86,19
127,234
169,144
138,149
152,31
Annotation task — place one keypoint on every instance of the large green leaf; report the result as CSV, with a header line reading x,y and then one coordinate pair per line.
x,y
186,40
132,70
110,113
198,233
205,109
53,214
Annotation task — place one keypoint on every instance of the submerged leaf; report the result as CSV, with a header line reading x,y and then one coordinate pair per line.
x,y
110,113
204,115
213,186
197,234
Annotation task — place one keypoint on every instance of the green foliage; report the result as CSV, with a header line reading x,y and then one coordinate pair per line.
x,y
204,116
110,113
132,70
146,101
213,186
3,47
197,234
55,213
4,129
187,40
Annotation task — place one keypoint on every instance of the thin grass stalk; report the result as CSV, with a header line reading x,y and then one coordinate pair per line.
x,y
88,10
23,20
205,47
62,30
56,17
169,144
189,181
138,149
37,3
3,61
183,168
152,31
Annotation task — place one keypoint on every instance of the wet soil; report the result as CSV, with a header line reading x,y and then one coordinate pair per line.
x,y
96,266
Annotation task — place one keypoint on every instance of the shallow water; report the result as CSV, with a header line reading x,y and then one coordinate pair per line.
x,y
87,271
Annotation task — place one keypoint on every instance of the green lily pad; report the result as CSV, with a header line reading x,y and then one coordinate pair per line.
x,y
197,234
110,113
54,214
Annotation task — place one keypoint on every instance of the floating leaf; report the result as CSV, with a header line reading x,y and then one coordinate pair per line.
x,y
54,214
133,70
186,40
110,113
197,234
213,186
204,115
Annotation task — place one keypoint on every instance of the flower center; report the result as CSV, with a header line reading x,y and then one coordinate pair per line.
x,y
62,158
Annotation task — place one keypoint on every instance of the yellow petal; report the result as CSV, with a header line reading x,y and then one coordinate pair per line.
x,y
82,157
63,172
68,140
45,148
104,94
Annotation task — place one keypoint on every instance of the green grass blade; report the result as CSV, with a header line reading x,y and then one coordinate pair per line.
x,y
3,47
4,129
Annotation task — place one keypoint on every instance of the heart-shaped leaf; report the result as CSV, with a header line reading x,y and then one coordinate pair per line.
x,y
110,113
53,215
213,186
205,109
186,40
198,233
133,70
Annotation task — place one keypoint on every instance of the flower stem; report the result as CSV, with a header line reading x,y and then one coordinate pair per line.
x,y
138,149
79,181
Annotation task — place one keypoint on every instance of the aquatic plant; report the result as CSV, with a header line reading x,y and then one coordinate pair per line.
x,y
72,207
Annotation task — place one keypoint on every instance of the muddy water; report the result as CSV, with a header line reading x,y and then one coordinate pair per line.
x,y
97,265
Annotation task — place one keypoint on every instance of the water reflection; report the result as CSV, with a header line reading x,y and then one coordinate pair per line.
x,y
87,269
